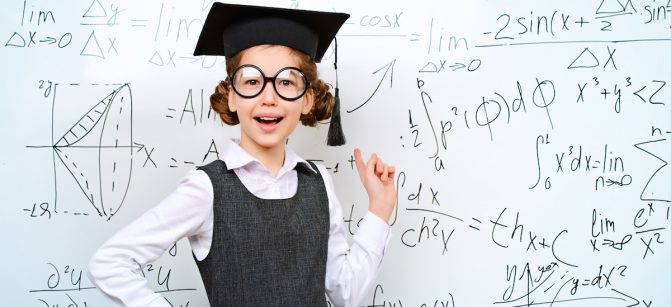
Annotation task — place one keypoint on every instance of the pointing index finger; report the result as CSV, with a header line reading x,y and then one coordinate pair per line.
x,y
359,161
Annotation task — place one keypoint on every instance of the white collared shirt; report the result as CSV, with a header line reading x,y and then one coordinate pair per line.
x,y
187,212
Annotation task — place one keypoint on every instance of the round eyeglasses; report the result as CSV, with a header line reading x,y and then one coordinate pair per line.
x,y
289,83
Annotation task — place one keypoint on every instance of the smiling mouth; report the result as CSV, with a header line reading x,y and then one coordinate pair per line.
x,y
268,120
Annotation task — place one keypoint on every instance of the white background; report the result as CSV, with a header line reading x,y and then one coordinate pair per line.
x,y
512,218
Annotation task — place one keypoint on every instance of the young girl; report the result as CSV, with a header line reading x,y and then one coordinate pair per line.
x,y
265,226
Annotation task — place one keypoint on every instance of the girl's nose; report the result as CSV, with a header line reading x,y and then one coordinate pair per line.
x,y
268,95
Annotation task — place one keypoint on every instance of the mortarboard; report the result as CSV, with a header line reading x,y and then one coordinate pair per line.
x,y
231,28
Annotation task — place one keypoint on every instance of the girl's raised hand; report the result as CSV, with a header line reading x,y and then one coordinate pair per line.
x,y
378,179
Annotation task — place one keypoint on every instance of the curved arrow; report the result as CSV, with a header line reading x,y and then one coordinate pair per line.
x,y
388,67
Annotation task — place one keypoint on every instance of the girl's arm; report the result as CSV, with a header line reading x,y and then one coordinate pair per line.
x,y
351,270
115,267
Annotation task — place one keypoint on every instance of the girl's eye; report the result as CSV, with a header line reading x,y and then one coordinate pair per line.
x,y
286,83
252,82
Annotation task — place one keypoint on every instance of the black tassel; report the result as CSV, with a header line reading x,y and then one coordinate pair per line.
x,y
336,137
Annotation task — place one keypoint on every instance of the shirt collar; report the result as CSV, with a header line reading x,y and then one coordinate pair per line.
x,y
236,157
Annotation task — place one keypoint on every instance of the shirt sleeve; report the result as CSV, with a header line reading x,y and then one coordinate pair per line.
x,y
350,270
115,266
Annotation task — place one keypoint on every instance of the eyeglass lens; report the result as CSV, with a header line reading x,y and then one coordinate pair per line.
x,y
249,81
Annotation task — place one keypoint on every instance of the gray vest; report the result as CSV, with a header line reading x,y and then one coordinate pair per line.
x,y
266,252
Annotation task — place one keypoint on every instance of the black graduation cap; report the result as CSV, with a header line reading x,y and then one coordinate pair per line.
x,y
230,28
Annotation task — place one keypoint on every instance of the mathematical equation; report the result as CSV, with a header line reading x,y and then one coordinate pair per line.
x,y
67,285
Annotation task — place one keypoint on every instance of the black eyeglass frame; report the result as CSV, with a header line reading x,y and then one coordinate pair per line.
x,y
266,79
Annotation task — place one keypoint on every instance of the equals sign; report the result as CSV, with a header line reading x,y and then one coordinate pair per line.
x,y
414,37
597,162
476,220
170,109
173,160
138,22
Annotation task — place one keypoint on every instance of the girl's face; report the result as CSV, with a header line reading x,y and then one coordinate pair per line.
x,y
267,120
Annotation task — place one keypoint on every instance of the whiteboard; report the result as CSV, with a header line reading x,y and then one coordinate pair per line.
x,y
531,140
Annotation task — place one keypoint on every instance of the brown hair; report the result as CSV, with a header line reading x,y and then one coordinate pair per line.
x,y
323,99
